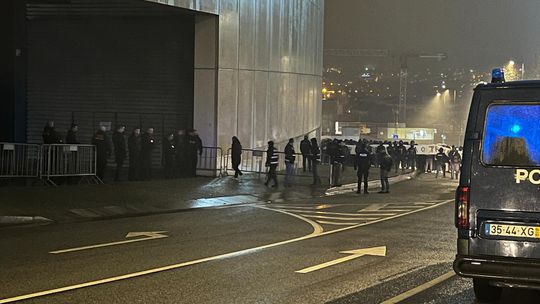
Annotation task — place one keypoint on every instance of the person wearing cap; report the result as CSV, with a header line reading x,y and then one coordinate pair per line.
x,y
148,144
440,160
120,151
272,161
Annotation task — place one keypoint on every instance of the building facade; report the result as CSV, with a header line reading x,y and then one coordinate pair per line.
x,y
250,68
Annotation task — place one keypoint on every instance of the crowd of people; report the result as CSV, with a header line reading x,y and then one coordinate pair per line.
x,y
311,158
387,156
180,150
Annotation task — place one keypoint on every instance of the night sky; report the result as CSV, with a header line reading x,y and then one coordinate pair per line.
x,y
474,33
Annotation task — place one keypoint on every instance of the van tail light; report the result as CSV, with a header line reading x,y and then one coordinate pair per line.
x,y
463,196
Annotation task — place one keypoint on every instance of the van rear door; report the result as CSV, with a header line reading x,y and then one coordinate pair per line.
x,y
505,176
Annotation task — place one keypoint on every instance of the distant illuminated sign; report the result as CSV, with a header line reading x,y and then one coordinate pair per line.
x,y
411,133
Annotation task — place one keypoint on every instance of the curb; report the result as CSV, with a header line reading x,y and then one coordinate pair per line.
x,y
373,183
9,220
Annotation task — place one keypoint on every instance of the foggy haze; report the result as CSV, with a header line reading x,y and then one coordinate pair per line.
x,y
474,33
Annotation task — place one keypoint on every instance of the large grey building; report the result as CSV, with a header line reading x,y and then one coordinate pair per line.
x,y
250,68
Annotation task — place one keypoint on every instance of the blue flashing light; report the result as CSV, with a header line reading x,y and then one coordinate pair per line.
x,y
515,128
497,75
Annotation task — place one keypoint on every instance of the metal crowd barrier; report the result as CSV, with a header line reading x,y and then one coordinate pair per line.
x,y
211,160
69,161
19,160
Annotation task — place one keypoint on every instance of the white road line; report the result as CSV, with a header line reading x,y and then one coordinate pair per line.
x,y
337,224
290,207
373,207
340,213
152,236
314,234
341,218
420,288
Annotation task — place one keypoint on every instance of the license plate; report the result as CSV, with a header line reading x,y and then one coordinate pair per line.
x,y
512,230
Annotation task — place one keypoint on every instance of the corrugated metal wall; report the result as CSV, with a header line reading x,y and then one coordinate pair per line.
x,y
123,62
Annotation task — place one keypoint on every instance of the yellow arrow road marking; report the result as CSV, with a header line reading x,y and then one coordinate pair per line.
x,y
149,235
375,251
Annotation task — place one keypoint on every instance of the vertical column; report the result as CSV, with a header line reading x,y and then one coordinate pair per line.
x,y
205,91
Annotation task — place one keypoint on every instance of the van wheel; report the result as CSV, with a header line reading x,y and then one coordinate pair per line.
x,y
485,292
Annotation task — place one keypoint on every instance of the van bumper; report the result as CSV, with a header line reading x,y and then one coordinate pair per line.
x,y
509,270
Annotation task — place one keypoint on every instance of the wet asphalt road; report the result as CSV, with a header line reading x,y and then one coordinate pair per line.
x,y
250,254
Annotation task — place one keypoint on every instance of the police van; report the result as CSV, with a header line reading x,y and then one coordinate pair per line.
x,y
497,202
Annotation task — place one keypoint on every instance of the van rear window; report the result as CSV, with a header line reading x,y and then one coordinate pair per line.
x,y
512,135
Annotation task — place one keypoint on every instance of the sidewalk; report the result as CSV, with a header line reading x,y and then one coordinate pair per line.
x,y
41,205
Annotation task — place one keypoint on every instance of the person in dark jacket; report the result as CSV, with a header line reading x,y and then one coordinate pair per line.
x,y
315,158
180,143
272,161
441,160
386,164
290,157
335,153
71,137
103,150
169,152
134,146
50,136
411,156
378,153
120,153
401,154
193,150
236,156
148,144
305,149
362,163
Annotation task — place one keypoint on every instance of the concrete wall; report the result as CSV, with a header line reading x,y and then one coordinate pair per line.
x,y
264,76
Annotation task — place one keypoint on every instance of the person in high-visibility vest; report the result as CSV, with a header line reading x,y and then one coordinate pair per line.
x,y
272,161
